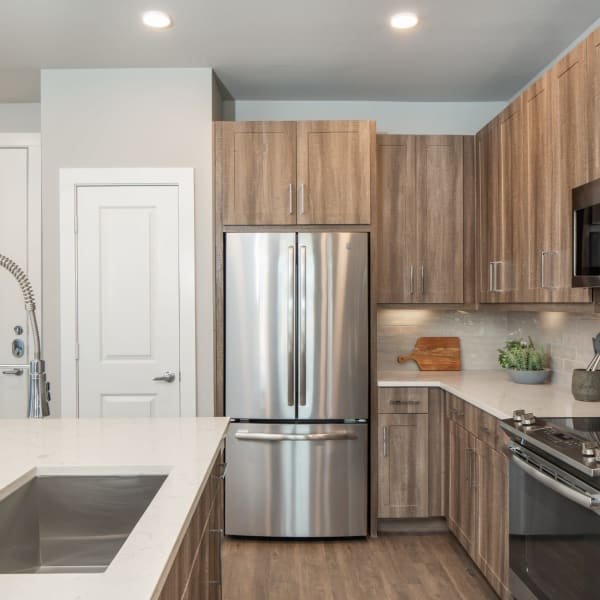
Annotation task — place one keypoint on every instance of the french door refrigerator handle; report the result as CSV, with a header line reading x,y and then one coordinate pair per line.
x,y
296,437
302,328
291,315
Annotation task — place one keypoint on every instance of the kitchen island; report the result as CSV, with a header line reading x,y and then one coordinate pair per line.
x,y
184,449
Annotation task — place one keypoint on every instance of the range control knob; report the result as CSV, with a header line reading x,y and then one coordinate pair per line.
x,y
518,415
588,448
528,419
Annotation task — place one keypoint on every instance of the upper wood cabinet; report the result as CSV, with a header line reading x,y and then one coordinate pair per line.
x,y
258,171
287,173
570,165
528,160
422,214
593,51
334,172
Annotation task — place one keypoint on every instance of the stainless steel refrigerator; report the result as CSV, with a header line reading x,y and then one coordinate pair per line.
x,y
297,383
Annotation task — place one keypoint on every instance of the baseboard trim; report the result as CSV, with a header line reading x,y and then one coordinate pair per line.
x,y
425,525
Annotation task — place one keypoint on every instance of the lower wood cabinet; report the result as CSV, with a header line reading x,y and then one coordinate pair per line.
x,y
403,465
196,571
441,456
492,516
462,490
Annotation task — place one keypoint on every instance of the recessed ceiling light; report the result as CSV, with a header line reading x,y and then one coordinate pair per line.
x,y
156,19
404,21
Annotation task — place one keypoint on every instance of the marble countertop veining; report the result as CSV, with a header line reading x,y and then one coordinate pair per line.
x,y
183,448
493,392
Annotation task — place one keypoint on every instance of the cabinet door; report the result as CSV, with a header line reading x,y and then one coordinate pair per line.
x,y
258,162
403,465
593,43
538,191
570,145
439,220
462,499
334,172
492,517
397,237
494,219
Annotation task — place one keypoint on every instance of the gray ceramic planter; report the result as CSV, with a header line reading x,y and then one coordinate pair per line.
x,y
586,385
528,377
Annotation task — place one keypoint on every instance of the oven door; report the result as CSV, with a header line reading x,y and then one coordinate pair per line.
x,y
554,531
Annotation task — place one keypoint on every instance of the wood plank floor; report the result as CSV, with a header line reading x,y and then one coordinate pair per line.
x,y
391,567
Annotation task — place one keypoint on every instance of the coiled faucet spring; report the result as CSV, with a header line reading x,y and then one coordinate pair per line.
x,y
39,393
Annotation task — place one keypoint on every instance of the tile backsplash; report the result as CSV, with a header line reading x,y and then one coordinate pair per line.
x,y
567,338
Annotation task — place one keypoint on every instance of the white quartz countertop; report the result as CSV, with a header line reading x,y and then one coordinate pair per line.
x,y
495,393
183,448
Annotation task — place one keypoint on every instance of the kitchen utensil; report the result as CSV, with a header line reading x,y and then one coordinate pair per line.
x,y
435,354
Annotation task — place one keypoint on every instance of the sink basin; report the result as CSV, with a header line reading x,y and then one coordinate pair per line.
x,y
71,523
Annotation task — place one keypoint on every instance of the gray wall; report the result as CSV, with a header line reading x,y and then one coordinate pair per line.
x,y
452,118
20,117
129,118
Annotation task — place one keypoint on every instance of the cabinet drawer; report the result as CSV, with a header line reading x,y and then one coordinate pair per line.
x,y
403,400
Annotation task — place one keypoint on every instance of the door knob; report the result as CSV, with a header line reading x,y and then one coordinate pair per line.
x,y
13,372
168,376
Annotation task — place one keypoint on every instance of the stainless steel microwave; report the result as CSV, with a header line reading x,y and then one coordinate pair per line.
x,y
586,235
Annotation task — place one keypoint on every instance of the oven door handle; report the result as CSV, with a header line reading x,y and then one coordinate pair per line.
x,y
591,502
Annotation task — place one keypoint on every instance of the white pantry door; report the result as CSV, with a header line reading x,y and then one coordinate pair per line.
x,y
20,240
128,300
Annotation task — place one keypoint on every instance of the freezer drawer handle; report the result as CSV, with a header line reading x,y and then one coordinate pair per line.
x,y
296,437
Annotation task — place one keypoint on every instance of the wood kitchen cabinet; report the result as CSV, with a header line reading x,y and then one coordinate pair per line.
x,y
593,57
571,165
287,173
462,493
403,458
196,571
334,172
422,216
492,516
500,156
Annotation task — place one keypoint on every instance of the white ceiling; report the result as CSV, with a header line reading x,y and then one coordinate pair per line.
x,y
307,49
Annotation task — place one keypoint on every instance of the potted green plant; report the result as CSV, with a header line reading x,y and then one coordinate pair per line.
x,y
525,363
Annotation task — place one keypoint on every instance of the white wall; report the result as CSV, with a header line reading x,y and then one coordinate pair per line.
x,y
452,118
20,117
129,118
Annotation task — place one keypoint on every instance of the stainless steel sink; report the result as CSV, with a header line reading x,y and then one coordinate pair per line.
x,y
71,523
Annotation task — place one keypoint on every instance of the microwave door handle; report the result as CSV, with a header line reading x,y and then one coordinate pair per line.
x,y
590,502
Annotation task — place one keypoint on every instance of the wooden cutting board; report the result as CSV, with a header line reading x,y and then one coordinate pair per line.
x,y
435,354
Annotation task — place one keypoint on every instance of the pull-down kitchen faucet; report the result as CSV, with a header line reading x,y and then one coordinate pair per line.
x,y
39,393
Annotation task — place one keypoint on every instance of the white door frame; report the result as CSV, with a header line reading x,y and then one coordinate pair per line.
x,y
32,143
70,180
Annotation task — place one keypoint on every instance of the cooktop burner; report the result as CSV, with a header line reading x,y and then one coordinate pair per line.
x,y
574,441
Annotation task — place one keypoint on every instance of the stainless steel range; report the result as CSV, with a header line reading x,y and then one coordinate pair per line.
x,y
554,533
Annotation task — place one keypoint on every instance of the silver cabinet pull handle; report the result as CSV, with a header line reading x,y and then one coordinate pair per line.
x,y
551,254
291,198
290,324
491,276
302,327
385,441
468,467
422,280
295,437
168,377
17,372
405,402
474,479
412,278
302,199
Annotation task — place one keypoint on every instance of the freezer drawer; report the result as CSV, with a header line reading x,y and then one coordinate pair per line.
x,y
296,480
